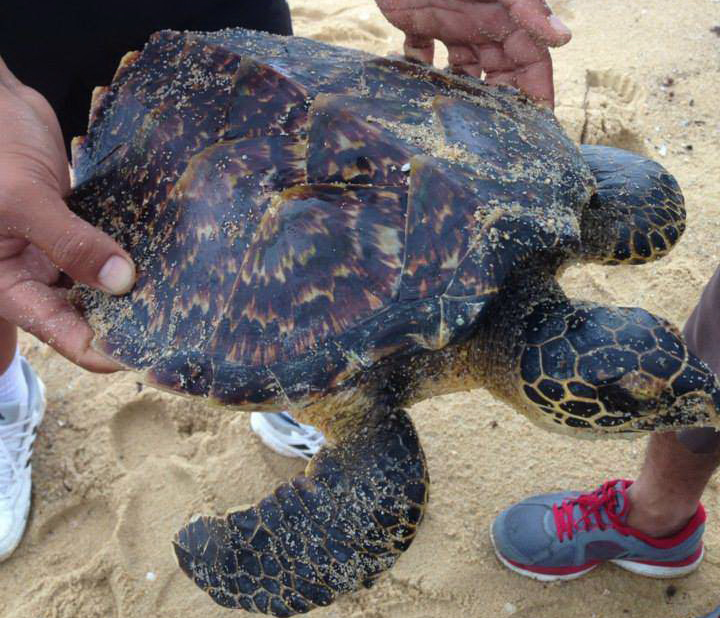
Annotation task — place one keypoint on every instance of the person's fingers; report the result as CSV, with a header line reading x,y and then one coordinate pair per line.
x,y
77,248
533,73
535,17
47,314
505,78
419,48
535,80
451,21
462,60
461,55
519,62
21,261
522,50
476,60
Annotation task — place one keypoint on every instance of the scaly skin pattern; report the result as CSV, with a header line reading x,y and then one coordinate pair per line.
x,y
326,532
613,369
638,212
590,370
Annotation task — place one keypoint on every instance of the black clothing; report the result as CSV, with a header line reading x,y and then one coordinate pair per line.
x,y
65,49
702,335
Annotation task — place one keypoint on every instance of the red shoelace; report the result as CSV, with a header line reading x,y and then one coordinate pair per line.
x,y
592,505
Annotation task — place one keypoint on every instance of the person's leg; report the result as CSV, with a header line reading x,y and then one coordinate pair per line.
x,y
22,404
8,344
678,466
667,492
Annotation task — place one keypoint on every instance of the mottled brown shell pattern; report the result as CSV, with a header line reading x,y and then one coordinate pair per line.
x,y
300,212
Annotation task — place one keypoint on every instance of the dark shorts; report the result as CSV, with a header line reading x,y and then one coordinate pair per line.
x,y
65,49
702,330
702,334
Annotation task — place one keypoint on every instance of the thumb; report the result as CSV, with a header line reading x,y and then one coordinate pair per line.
x,y
77,248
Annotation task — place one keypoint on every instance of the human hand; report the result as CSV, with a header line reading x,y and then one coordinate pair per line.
x,y
40,237
506,39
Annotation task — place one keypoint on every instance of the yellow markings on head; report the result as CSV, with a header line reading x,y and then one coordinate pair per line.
x,y
332,167
642,385
206,231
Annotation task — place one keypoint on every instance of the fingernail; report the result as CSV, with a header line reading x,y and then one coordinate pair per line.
x,y
558,26
117,275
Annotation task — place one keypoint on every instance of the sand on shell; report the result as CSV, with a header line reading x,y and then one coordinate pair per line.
x,y
118,468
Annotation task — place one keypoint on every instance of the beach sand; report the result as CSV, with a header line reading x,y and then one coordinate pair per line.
x,y
118,467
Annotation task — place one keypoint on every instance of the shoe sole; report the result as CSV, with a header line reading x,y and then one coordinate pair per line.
x,y
646,570
658,571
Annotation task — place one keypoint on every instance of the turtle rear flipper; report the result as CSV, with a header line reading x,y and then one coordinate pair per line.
x,y
638,212
590,369
319,535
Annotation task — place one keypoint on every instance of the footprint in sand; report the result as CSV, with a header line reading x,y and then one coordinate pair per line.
x,y
83,596
391,597
611,104
69,536
157,502
142,428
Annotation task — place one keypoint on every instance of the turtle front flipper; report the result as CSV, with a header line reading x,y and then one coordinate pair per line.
x,y
607,370
324,533
637,213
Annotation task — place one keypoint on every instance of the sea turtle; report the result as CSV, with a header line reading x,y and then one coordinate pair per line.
x,y
344,235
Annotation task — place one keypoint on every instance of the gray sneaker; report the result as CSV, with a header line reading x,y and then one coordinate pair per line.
x,y
564,535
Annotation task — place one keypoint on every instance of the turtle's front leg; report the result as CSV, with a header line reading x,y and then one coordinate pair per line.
x,y
637,213
573,366
324,533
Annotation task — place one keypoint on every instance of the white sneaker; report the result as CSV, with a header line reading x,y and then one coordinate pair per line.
x,y
18,426
283,434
